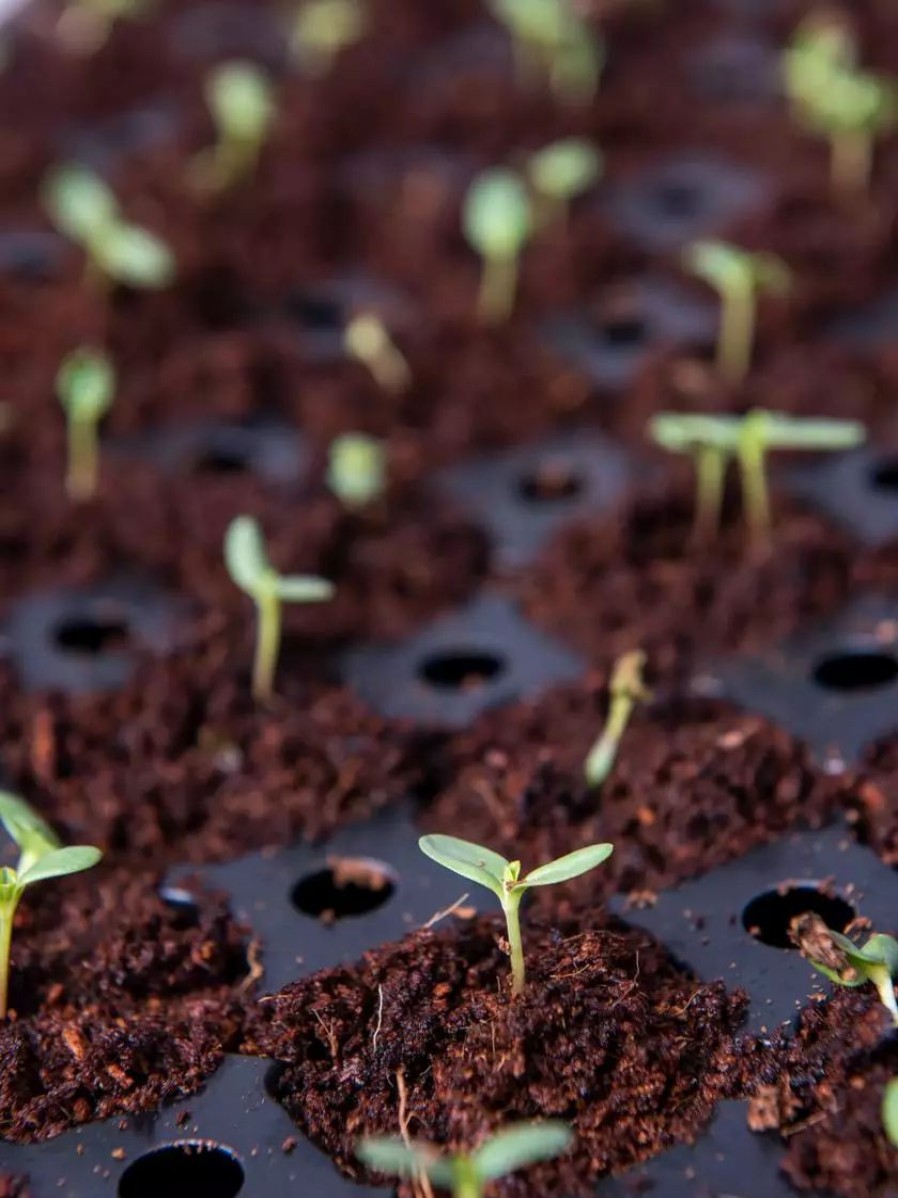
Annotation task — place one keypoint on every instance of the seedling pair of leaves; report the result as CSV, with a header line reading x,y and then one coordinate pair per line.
x,y
712,441
503,878
84,209
322,29
356,470
503,208
41,857
241,103
551,40
465,1175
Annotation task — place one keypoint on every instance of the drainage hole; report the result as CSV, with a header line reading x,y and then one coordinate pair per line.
x,y
183,906
678,199
884,475
460,669
348,887
220,461
623,331
91,635
857,670
551,481
187,1169
316,313
768,916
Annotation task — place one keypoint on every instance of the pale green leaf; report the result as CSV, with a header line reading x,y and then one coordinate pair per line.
x,y
356,471
134,256
569,866
303,588
565,168
397,1159
245,556
516,1147
797,432
60,862
241,101
85,384
79,203
890,1111
497,214
684,432
471,861
33,835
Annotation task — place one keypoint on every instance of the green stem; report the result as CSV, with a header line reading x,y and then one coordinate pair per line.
x,y
466,1183
511,905
885,987
81,476
752,465
268,643
7,911
737,332
498,285
602,754
710,469
852,162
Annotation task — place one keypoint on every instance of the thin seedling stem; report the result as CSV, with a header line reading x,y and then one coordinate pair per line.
x,y
737,331
511,904
6,919
851,162
710,470
268,641
498,284
83,457
752,465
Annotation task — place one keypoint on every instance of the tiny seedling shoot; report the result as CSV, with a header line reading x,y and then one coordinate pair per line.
x,y
241,103
853,110
504,879
712,441
41,857
323,28
85,384
356,469
560,172
627,689
552,40
849,964
85,210
822,44
738,276
367,339
249,568
465,1175
498,220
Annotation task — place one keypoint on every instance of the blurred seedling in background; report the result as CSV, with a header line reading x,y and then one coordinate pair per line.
x,y
41,857
463,1174
84,209
367,339
738,276
712,441
890,1111
823,43
324,28
84,26
356,469
85,384
560,172
241,103
849,964
626,689
552,40
503,878
248,565
497,220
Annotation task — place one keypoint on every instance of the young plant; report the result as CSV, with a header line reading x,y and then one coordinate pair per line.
x,y
41,857
249,568
85,384
85,210
890,1111
627,689
559,172
849,964
498,220
323,28
822,44
504,879
738,276
367,339
550,38
853,110
241,103
713,440
356,469
464,1174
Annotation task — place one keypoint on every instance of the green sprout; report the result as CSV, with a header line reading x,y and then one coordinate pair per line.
x,y
890,1111
551,39
466,1174
85,384
249,568
561,171
822,44
738,276
504,879
853,110
323,28
85,25
41,857
498,220
356,469
367,339
849,964
627,689
241,103
712,441
85,210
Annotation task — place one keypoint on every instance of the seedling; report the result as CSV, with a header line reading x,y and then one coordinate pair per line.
x,y
853,110
323,28
627,689
249,568
367,339
738,276
85,210
241,103
498,220
41,857
466,1174
713,440
356,470
551,39
85,384
848,964
504,879
822,44
560,172
890,1111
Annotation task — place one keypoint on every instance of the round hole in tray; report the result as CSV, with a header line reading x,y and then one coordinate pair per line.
x,y
347,887
183,905
317,313
550,481
91,636
218,460
624,330
678,200
461,669
186,1169
856,670
884,474
768,916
